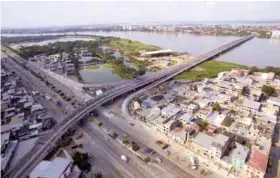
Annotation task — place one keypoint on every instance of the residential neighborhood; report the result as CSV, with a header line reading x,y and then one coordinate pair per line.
x,y
229,120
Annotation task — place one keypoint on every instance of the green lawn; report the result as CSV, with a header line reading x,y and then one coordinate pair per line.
x,y
130,47
211,69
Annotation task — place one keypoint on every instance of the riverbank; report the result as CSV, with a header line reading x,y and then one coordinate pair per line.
x,y
209,69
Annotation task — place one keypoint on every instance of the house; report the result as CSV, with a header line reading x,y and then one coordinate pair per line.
x,y
192,108
273,101
178,135
219,146
162,124
250,106
201,143
57,168
186,118
216,118
210,146
148,103
256,164
154,113
239,156
169,111
226,88
89,60
36,108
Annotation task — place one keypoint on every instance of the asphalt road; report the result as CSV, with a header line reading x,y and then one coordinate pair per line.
x,y
108,155
164,169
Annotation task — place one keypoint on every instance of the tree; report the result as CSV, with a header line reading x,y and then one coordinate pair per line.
x,y
147,159
203,124
268,90
254,69
216,107
135,147
81,160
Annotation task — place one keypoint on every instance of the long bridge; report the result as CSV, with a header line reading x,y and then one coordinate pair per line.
x,y
26,165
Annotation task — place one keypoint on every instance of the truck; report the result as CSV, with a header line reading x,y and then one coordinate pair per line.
x,y
193,163
124,158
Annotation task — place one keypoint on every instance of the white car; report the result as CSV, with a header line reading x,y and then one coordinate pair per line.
x,y
158,160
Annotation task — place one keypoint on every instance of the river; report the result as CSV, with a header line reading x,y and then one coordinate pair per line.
x,y
256,52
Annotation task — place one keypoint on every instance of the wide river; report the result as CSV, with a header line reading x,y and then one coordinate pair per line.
x,y
256,52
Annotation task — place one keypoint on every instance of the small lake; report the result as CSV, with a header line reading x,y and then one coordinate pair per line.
x,y
101,75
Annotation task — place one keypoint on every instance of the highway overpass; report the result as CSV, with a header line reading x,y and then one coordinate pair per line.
x,y
27,164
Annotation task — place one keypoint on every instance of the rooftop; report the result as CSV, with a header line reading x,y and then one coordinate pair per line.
x,y
50,169
203,140
257,160
157,52
251,104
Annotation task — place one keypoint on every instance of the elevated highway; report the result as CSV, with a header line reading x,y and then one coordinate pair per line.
x,y
23,168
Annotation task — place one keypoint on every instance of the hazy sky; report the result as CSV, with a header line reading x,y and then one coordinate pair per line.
x,y
35,14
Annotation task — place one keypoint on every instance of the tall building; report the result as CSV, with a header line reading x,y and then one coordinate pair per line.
x,y
275,34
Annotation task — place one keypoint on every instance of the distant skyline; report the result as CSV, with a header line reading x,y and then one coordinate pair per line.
x,y
46,14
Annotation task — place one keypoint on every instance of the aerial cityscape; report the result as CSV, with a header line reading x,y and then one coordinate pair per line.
x,y
134,89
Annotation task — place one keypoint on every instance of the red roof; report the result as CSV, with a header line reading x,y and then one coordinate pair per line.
x,y
258,160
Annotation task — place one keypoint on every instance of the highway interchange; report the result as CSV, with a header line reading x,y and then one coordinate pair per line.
x,y
82,112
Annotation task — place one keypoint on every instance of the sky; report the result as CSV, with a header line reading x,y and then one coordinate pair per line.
x,y
44,14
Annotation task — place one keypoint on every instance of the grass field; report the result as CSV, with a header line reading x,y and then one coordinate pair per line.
x,y
130,47
210,70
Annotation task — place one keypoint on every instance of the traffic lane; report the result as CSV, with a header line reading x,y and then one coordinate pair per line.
x,y
99,164
166,166
114,152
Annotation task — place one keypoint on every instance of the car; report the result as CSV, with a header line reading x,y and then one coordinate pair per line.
x,y
159,160
276,155
89,155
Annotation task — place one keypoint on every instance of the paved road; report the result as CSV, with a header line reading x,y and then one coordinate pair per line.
x,y
121,126
109,153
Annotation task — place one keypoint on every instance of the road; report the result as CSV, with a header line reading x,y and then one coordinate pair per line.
x,y
140,136
88,107
106,155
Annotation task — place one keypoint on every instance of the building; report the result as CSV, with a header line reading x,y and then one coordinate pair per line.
x,y
158,53
250,106
219,146
8,148
256,164
186,118
239,156
178,135
59,167
192,108
148,103
227,88
201,143
275,34
169,111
